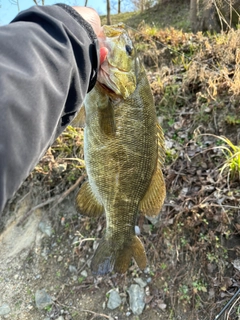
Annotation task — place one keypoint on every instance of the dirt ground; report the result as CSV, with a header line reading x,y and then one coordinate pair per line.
x,y
32,260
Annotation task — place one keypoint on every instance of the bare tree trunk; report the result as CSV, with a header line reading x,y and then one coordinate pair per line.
x,y
37,2
193,14
86,1
119,6
210,19
108,13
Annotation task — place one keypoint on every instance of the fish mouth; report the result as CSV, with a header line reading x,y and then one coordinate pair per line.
x,y
105,82
106,88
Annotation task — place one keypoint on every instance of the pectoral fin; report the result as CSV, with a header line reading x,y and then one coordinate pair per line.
x,y
107,120
87,203
153,199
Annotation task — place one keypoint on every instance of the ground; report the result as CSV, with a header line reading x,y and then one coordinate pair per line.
x,y
193,247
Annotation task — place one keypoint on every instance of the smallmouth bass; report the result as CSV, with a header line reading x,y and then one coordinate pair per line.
x,y
124,154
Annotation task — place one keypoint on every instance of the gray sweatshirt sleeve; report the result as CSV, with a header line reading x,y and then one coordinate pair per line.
x,y
48,63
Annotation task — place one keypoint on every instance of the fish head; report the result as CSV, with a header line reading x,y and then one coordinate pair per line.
x,y
117,74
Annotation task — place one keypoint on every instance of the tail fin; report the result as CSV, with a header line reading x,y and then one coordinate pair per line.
x,y
108,258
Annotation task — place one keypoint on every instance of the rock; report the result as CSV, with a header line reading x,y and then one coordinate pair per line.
x,y
137,230
136,298
45,228
60,168
42,299
236,264
4,309
84,273
72,269
114,300
141,282
60,318
154,220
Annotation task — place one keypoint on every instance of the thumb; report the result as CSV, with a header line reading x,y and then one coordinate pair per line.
x,y
103,54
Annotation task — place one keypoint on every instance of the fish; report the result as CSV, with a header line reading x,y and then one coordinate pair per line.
x,y
123,152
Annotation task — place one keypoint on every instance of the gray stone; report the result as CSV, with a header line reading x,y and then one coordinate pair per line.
x,y
72,269
236,264
84,273
42,299
4,309
60,318
137,230
114,300
141,282
136,298
45,228
154,220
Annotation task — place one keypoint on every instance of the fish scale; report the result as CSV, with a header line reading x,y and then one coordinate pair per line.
x,y
124,153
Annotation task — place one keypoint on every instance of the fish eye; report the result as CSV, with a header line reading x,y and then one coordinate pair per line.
x,y
129,49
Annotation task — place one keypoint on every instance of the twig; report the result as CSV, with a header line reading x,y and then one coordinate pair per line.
x,y
227,305
68,191
57,198
232,307
85,310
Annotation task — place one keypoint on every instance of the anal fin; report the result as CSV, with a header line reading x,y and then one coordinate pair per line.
x,y
87,203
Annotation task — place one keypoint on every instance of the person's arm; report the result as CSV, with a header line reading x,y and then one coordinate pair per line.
x,y
48,62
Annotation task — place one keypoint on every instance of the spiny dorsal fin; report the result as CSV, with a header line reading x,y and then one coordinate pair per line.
x,y
153,199
87,203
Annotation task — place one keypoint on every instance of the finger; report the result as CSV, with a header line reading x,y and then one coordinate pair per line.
x,y
103,54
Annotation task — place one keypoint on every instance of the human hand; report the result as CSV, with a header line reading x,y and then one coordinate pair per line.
x,y
92,17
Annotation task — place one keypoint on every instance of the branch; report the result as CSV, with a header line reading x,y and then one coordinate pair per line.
x,y
57,198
